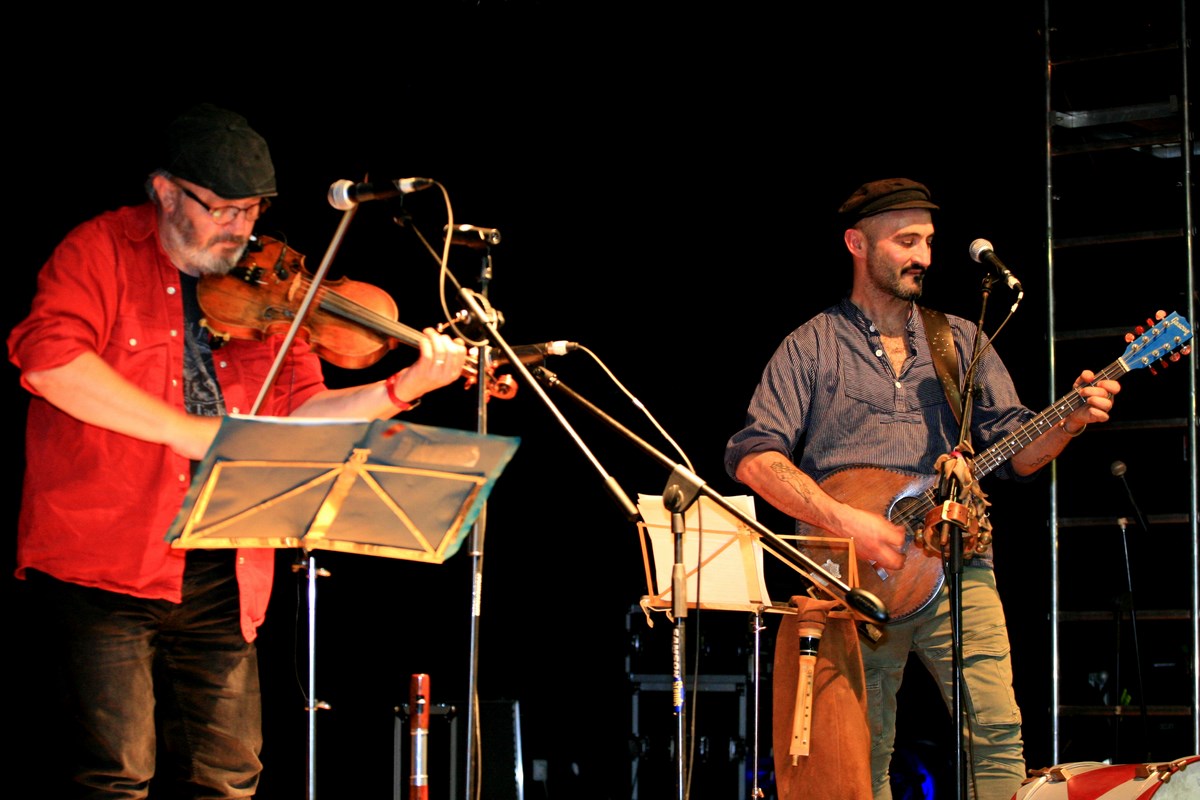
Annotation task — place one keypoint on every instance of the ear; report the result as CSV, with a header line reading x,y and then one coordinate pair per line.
x,y
167,192
855,241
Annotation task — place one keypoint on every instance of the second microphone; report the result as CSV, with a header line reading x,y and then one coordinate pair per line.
x,y
344,195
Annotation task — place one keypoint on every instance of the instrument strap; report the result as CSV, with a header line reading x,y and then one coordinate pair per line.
x,y
945,361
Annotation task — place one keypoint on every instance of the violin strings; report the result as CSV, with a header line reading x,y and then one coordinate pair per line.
x,y
357,312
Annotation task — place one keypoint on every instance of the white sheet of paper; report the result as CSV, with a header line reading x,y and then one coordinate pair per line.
x,y
723,558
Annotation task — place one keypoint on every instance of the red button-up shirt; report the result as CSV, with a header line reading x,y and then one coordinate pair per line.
x,y
96,505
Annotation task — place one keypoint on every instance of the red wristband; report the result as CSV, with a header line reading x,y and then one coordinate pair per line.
x,y
402,405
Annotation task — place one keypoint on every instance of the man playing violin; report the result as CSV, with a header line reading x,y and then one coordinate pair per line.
x,y
126,396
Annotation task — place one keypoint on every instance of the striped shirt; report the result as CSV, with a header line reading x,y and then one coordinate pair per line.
x,y
829,398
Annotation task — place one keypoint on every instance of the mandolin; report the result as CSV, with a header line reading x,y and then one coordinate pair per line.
x,y
906,498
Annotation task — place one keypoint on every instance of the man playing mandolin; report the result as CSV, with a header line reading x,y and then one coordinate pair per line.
x,y
857,385
127,394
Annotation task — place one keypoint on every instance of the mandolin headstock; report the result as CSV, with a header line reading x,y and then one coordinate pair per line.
x,y
1160,341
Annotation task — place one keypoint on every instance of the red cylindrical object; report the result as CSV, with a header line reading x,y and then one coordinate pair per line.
x,y
418,727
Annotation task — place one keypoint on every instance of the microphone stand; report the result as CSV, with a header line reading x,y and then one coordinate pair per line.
x,y
488,320
678,498
476,553
948,490
1118,469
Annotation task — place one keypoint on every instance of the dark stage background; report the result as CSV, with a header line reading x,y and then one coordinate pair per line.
x,y
665,189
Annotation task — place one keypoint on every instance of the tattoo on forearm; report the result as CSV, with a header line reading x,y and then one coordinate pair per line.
x,y
1042,461
788,474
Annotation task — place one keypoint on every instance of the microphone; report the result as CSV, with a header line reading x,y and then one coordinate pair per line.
x,y
1118,470
982,252
534,353
344,195
473,237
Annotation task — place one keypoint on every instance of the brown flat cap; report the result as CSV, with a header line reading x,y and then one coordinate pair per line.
x,y
890,194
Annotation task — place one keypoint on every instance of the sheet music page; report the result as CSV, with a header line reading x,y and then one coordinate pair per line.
x,y
722,556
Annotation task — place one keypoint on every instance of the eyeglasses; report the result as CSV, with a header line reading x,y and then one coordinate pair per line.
x,y
224,215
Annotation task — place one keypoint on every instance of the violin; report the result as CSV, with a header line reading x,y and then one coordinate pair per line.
x,y
350,324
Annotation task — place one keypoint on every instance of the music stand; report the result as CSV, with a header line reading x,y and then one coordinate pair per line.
x,y
382,487
728,554
727,551
719,548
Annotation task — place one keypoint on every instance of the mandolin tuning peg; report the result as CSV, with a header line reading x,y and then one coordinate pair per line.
x,y
1129,337
1139,330
1160,315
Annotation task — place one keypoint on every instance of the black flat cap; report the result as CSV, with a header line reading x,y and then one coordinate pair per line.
x,y
217,149
890,194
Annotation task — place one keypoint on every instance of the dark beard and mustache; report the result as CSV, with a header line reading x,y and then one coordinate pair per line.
x,y
181,241
891,283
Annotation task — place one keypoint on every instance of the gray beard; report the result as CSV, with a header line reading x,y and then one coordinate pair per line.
x,y
182,243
